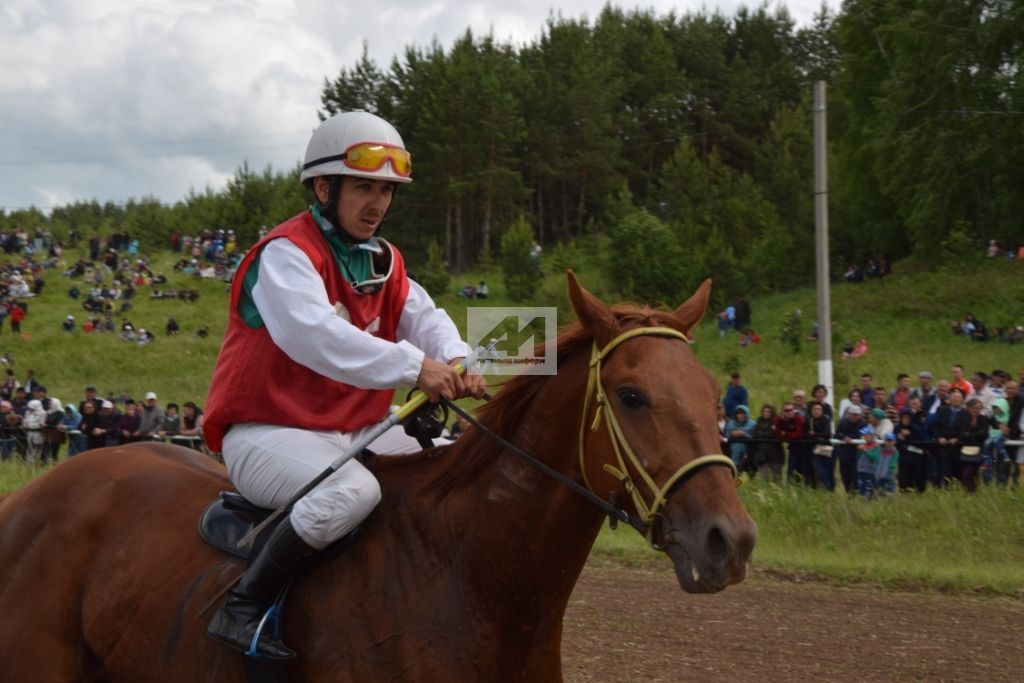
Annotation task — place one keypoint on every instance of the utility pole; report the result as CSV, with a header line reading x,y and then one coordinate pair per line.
x,y
821,240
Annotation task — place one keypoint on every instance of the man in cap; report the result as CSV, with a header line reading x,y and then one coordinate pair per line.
x,y
152,418
324,307
848,430
924,390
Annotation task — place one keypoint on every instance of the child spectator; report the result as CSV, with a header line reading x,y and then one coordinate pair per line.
x,y
171,423
868,455
993,452
740,426
888,465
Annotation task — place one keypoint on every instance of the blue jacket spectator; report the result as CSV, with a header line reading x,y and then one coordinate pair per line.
x,y
735,395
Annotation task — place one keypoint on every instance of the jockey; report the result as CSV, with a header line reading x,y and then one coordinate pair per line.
x,y
323,324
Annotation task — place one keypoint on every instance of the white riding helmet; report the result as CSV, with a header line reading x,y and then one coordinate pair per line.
x,y
357,143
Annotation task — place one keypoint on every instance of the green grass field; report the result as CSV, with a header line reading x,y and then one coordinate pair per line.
x,y
940,540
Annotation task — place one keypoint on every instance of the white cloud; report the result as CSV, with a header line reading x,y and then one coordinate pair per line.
x,y
110,100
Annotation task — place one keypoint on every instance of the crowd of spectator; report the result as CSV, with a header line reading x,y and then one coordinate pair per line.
x,y
35,426
973,328
872,269
962,429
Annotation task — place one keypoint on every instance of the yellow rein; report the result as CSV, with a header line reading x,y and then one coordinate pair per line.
x,y
646,511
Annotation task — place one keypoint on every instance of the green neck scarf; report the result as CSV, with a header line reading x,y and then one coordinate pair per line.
x,y
353,262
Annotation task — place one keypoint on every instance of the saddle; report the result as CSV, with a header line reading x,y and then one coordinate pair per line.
x,y
230,516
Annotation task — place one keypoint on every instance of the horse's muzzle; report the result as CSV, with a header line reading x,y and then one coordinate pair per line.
x,y
710,551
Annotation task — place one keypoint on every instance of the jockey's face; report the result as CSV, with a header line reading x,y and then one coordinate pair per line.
x,y
362,204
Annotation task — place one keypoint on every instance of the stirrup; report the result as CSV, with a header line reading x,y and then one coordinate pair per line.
x,y
270,618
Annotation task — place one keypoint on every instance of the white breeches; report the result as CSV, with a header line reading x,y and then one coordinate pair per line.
x,y
269,464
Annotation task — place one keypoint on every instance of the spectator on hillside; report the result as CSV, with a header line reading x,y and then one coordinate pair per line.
x,y
868,455
993,452
739,427
31,381
882,402
90,397
925,391
10,383
971,432
71,425
749,338
171,424
820,395
69,324
867,391
17,314
960,382
819,429
983,392
735,394
911,430
481,290
172,327
879,422
899,396
152,417
191,419
789,425
768,455
852,399
888,465
129,424
943,429
104,431
849,430
20,401
33,421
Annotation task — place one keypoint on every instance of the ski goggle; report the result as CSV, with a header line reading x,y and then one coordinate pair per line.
x,y
369,157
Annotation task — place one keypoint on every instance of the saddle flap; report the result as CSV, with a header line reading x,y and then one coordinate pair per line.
x,y
227,520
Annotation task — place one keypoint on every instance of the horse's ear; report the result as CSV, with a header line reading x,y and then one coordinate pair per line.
x,y
593,315
690,311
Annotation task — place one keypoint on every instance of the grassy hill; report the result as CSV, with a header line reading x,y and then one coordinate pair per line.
x,y
946,540
906,319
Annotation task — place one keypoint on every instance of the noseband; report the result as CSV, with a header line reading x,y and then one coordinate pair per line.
x,y
647,511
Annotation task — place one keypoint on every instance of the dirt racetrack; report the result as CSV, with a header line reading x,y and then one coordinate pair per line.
x,y
637,625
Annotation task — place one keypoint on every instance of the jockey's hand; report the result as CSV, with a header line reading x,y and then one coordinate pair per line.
x,y
437,379
473,384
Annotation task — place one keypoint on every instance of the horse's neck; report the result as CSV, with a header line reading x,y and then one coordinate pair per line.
x,y
526,536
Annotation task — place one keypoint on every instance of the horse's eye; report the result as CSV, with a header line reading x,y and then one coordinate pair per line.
x,y
631,398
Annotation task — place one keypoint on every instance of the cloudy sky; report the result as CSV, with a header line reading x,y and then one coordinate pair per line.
x,y
113,99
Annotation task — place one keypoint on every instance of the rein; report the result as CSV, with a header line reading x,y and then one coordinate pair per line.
x,y
643,522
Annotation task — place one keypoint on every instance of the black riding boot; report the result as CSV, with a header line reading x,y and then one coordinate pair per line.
x,y
278,559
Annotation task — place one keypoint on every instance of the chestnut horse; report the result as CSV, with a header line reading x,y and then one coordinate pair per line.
x,y
462,573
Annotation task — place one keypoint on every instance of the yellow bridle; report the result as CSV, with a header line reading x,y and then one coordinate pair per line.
x,y
647,511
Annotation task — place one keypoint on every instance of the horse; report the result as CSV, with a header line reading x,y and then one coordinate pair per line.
x,y
464,570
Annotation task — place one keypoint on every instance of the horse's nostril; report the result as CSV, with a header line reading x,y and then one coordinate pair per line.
x,y
717,546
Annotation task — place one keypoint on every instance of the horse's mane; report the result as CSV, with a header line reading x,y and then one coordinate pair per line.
x,y
463,461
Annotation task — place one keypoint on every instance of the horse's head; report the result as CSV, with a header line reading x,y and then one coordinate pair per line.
x,y
650,425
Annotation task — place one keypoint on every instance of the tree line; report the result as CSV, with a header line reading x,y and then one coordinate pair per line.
x,y
682,143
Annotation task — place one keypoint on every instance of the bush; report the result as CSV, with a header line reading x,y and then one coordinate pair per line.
x,y
647,261
434,277
520,268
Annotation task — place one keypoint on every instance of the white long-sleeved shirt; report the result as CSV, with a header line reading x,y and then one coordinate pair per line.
x,y
292,299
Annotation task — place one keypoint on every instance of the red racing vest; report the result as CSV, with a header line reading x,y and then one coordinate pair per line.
x,y
255,381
